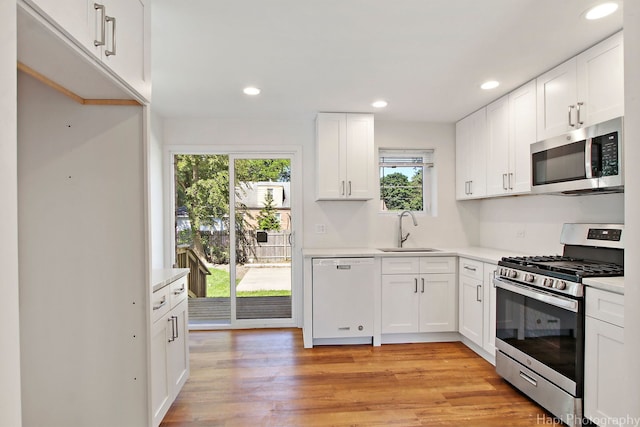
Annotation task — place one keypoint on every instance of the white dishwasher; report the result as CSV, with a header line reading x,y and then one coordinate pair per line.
x,y
343,297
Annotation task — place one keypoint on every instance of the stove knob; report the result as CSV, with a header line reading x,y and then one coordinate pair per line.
x,y
548,283
561,284
513,274
528,278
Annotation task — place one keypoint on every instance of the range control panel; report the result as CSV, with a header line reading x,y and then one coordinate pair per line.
x,y
604,234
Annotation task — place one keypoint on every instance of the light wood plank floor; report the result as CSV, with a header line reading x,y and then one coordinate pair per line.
x,y
266,378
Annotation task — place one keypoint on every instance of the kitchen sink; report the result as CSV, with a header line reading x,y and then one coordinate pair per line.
x,y
408,250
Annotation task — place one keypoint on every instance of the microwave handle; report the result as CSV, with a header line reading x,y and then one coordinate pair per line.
x,y
588,146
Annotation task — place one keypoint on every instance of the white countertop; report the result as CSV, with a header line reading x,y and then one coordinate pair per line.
x,y
161,277
475,252
611,284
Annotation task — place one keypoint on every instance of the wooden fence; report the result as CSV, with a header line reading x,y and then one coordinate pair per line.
x,y
276,249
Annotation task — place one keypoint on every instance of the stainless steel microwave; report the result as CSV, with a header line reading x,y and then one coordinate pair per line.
x,y
585,160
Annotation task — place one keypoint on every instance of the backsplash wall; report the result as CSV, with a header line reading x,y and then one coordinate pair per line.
x,y
532,224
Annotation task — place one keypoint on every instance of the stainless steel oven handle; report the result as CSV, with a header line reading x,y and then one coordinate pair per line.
x,y
555,300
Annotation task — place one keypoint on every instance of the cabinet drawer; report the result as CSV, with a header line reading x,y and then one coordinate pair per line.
x,y
400,265
471,268
437,265
606,306
160,303
178,291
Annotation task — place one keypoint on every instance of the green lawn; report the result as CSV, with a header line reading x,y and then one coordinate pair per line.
x,y
218,287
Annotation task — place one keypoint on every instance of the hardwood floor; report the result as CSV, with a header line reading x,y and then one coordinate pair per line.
x,y
266,378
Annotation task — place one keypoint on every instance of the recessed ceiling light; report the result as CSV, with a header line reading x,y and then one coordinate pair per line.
x,y
491,84
601,10
251,90
380,104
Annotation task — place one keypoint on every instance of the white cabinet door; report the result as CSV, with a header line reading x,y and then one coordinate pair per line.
x,y
360,157
463,155
489,307
127,42
400,303
600,74
471,166
604,371
73,17
178,345
160,385
438,303
331,147
498,147
522,133
345,165
470,306
585,90
557,97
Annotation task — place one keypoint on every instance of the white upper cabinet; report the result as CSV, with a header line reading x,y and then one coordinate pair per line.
x,y
511,129
585,90
127,41
115,32
522,133
72,17
498,147
471,167
345,161
600,73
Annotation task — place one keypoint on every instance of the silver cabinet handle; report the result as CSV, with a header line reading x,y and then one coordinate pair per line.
x,y
580,122
470,187
478,293
349,187
504,181
113,36
159,306
571,107
511,181
100,7
179,291
416,289
423,285
342,188
466,267
177,328
173,329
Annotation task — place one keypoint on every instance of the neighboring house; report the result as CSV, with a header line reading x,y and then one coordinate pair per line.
x,y
253,195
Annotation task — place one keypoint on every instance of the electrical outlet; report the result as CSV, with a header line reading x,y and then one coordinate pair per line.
x,y
321,229
520,234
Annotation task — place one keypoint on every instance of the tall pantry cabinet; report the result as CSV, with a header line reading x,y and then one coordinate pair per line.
x,y
82,232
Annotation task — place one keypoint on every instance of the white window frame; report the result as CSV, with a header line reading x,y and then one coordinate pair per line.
x,y
429,194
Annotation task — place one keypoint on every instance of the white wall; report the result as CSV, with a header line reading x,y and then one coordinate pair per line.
x,y
156,191
10,402
348,224
632,208
532,224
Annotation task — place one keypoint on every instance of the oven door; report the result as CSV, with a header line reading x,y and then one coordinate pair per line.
x,y
542,331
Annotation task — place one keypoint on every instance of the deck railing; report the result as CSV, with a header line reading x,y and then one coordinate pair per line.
x,y
187,258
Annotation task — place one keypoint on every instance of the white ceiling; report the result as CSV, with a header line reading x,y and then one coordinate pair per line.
x,y
427,58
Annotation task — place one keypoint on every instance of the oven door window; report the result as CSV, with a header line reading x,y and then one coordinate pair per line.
x,y
560,164
549,334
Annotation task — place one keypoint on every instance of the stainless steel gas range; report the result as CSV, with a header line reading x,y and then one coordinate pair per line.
x,y
540,316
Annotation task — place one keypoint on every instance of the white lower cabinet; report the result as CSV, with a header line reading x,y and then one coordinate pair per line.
x,y
169,346
414,298
477,298
604,357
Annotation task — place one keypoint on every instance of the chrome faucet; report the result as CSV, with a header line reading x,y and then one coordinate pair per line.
x,y
401,238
